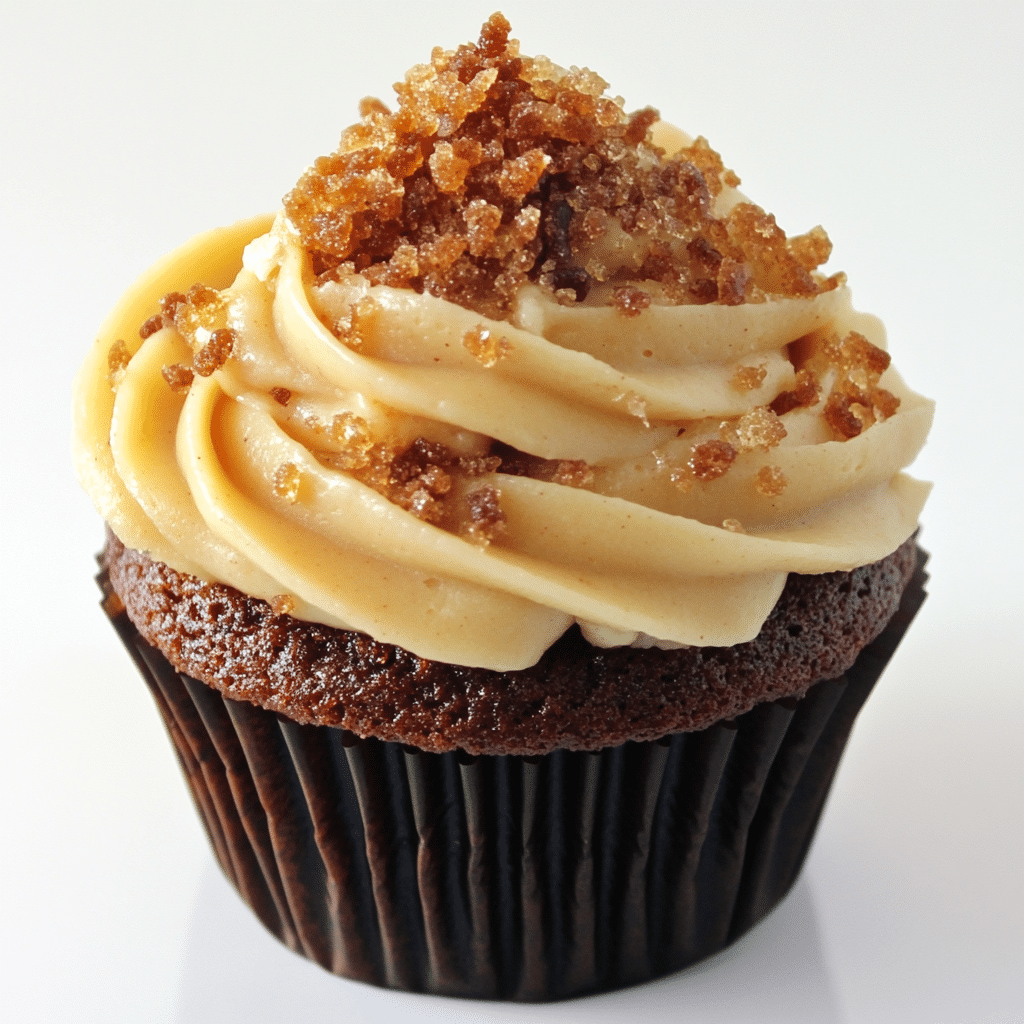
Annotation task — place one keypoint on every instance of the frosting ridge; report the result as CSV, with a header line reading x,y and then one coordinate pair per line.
x,y
598,516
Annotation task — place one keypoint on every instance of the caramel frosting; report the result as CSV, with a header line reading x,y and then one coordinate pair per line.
x,y
509,359
265,474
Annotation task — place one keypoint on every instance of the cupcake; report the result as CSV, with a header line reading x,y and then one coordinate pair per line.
x,y
509,531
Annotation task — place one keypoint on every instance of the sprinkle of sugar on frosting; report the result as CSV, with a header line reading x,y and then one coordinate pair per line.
x,y
287,481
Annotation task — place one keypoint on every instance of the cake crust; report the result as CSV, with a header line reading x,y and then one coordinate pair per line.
x,y
576,697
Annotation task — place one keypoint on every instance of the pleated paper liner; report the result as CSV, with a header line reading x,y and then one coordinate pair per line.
x,y
521,878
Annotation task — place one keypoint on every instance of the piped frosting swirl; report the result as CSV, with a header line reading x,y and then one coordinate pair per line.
x,y
642,423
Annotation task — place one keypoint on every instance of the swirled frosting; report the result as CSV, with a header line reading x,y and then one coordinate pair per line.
x,y
223,481
508,360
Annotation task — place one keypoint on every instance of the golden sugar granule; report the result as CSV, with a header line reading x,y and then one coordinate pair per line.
x,y
758,428
749,378
282,604
370,105
682,478
214,354
478,466
118,358
635,406
169,305
711,459
377,471
857,351
774,269
447,168
281,395
179,378
770,481
484,347
420,502
351,433
844,416
573,473
519,177
482,222
151,326
353,328
435,480
201,310
630,301
806,393
733,526
485,519
733,279
885,402
811,249
287,481
313,423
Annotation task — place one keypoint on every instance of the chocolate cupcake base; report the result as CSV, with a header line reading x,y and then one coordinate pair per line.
x,y
505,877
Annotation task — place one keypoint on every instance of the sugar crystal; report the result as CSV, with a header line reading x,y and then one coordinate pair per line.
x,y
287,481
749,378
351,434
484,347
214,354
118,357
179,378
758,428
711,459
485,519
498,169
770,481
151,326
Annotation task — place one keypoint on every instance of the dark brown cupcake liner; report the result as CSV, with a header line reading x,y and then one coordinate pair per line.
x,y
510,877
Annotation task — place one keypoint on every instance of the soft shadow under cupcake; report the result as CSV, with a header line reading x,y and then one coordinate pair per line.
x,y
233,971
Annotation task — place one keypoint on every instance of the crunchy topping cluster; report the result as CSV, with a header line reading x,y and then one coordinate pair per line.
x,y
496,169
855,401
199,317
420,478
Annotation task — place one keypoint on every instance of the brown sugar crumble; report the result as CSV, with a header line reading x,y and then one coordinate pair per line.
x,y
770,481
214,354
179,378
282,604
855,400
484,347
485,520
281,395
497,169
118,358
711,459
758,428
151,326
287,481
749,378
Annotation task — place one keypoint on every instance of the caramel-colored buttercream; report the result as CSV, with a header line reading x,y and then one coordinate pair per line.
x,y
347,424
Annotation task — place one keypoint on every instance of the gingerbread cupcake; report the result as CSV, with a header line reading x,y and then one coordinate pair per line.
x,y
509,531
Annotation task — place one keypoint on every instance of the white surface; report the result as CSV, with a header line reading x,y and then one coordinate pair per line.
x,y
127,128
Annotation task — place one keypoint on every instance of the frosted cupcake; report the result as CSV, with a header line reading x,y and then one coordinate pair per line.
x,y
509,530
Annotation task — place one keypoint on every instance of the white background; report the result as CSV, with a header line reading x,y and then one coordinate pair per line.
x,y
126,128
